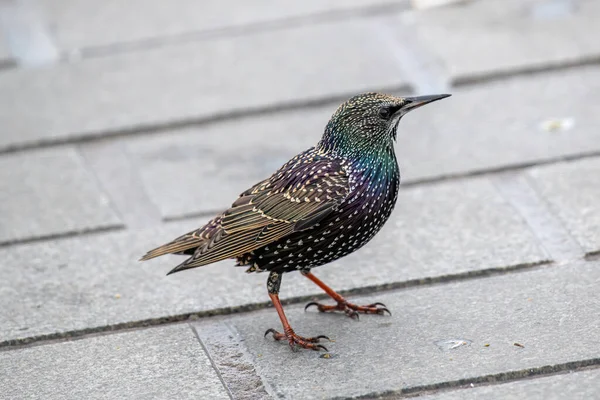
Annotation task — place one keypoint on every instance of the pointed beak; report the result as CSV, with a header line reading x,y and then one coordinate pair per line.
x,y
416,102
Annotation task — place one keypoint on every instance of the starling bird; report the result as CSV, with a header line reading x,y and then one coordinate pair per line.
x,y
323,204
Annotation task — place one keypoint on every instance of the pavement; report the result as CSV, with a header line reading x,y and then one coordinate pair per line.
x,y
125,124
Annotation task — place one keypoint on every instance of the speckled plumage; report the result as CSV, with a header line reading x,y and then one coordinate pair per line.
x,y
323,204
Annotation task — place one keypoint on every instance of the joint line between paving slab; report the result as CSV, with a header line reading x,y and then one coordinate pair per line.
x,y
7,64
233,31
157,128
212,362
86,162
415,60
406,184
535,69
161,127
442,279
234,360
502,377
502,169
518,190
63,235
129,197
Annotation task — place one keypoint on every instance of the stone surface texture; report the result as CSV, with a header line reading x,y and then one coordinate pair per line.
x,y
50,192
486,38
83,24
190,81
433,144
494,125
570,385
166,362
124,125
435,335
573,190
96,281
5,55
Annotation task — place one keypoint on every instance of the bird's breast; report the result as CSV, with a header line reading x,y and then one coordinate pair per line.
x,y
355,222
372,198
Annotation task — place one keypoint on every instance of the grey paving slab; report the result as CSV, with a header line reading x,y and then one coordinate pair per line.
x,y
221,160
5,56
573,190
119,177
50,192
165,362
81,24
547,311
474,130
505,123
95,281
192,81
575,385
485,38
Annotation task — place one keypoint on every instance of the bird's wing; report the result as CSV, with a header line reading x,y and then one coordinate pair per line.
x,y
296,197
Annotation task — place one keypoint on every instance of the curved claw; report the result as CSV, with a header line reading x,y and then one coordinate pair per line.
x,y
312,303
382,310
320,346
377,304
322,337
270,330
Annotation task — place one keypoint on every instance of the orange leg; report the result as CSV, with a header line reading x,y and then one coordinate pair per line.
x,y
350,309
288,333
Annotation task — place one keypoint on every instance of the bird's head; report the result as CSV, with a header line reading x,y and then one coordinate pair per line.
x,y
369,122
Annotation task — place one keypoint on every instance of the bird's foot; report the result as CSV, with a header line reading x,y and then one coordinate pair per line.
x,y
351,310
297,340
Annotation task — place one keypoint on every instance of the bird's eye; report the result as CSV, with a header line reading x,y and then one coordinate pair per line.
x,y
385,113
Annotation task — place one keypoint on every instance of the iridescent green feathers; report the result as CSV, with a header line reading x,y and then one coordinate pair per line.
x,y
364,124
299,195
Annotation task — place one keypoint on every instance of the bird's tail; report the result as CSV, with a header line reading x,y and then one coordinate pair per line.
x,y
185,243
179,245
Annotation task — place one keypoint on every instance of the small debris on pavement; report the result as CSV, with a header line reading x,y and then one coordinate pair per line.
x,y
557,124
519,345
452,344
326,355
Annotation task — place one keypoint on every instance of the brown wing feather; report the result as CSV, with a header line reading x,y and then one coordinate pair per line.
x,y
296,197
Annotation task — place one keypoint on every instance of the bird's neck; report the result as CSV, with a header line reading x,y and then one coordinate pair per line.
x,y
377,163
337,144
358,150
369,158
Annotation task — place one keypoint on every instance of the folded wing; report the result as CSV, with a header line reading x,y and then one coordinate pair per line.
x,y
298,196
